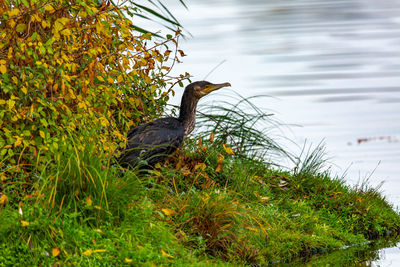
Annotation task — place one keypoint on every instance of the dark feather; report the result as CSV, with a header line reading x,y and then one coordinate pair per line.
x,y
152,141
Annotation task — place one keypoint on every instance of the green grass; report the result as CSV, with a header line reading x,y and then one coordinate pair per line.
x,y
203,207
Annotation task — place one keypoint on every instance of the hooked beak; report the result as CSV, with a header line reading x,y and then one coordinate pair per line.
x,y
213,87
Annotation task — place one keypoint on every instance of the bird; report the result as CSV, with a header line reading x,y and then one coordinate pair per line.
x,y
150,143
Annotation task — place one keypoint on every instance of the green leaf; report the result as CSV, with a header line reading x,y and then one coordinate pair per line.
x,y
34,36
44,122
25,2
42,50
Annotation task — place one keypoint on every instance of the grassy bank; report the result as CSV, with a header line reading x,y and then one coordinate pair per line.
x,y
205,206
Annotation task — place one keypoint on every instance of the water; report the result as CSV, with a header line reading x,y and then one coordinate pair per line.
x,y
331,67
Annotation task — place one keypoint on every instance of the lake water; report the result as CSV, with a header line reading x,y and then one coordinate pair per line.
x,y
331,67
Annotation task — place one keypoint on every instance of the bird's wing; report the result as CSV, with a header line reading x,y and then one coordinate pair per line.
x,y
153,141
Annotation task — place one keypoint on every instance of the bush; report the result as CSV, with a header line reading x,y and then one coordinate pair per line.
x,y
69,66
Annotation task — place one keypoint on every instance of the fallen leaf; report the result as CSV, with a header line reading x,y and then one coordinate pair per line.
x,y
88,201
165,254
55,252
219,167
128,260
3,199
168,212
24,223
200,165
99,250
87,252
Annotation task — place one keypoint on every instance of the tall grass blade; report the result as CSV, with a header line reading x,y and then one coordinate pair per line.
x,y
246,127
311,161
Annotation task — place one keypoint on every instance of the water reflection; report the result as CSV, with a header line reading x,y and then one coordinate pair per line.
x,y
381,253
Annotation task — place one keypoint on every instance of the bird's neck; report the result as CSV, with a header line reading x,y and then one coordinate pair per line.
x,y
187,113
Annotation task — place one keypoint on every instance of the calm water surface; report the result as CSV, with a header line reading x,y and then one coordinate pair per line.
x,y
332,68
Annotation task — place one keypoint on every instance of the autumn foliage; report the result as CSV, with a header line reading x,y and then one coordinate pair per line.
x,y
75,69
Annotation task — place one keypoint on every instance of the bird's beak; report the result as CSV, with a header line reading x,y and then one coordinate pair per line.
x,y
213,87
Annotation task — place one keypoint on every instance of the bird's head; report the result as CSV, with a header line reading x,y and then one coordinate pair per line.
x,y
203,88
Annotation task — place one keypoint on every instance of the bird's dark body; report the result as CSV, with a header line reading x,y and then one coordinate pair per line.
x,y
153,141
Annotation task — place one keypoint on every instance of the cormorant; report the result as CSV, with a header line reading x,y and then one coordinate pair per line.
x,y
154,141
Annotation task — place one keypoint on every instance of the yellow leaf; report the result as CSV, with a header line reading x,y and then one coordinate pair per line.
x,y
200,165
120,78
10,53
153,88
18,142
3,199
66,32
49,8
42,134
147,79
87,252
88,201
228,150
220,158
165,254
219,167
143,62
24,223
3,69
99,250
99,231
10,103
110,80
12,23
55,252
24,90
81,105
168,212
128,260
14,12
